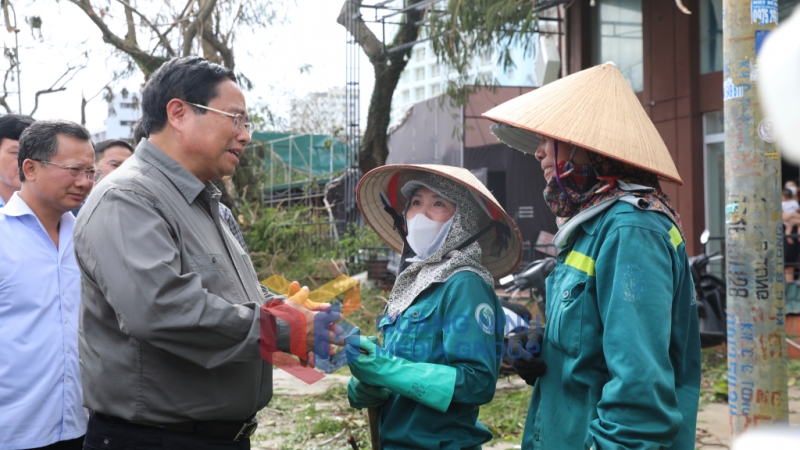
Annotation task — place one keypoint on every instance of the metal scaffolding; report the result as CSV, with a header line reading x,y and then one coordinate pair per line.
x,y
299,166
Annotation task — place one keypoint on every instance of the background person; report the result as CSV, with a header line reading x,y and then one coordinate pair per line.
x,y
40,380
11,127
170,312
111,153
621,344
443,331
792,187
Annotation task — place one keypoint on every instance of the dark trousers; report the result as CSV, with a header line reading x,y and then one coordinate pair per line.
x,y
72,444
103,434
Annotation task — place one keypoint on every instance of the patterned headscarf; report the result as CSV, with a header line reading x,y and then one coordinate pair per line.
x,y
447,260
608,171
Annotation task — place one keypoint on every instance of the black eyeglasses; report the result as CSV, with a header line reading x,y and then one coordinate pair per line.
x,y
92,175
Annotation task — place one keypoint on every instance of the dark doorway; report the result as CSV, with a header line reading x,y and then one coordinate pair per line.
x,y
496,182
789,171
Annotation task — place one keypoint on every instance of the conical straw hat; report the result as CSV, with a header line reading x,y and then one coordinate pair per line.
x,y
382,181
594,109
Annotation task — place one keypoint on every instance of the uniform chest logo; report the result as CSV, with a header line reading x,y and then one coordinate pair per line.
x,y
484,315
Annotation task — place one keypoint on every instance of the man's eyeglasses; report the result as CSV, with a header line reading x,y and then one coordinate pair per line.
x,y
75,171
238,119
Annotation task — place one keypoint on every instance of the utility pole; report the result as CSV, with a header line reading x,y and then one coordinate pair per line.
x,y
757,371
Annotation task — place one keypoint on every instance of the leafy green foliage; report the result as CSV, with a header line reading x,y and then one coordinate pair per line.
x,y
505,415
313,421
463,31
714,384
299,243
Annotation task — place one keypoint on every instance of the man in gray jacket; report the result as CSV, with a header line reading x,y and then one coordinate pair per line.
x,y
170,315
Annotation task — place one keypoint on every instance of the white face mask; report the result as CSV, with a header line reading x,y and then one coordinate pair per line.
x,y
421,233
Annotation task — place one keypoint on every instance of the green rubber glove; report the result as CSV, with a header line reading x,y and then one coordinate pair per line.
x,y
363,395
429,384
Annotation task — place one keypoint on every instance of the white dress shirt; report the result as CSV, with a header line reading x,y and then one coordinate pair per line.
x,y
40,380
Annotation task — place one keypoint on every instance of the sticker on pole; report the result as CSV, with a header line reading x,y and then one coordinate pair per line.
x,y
731,91
764,12
766,131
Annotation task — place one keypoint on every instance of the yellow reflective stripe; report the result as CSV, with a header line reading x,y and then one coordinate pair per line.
x,y
675,236
581,262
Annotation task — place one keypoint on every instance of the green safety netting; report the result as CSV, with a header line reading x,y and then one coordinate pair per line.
x,y
294,154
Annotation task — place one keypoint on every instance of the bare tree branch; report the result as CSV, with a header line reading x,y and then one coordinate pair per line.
x,y
161,36
236,16
71,71
5,88
107,87
387,68
206,8
369,43
147,62
224,51
130,36
7,17
181,18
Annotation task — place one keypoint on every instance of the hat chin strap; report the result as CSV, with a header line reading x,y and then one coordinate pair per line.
x,y
558,176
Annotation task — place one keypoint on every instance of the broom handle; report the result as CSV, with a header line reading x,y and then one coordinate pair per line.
x,y
374,435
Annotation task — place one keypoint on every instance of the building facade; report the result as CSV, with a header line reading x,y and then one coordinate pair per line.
x,y
320,112
673,61
123,112
424,77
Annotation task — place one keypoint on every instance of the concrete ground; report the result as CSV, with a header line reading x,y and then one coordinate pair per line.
x,y
713,426
712,421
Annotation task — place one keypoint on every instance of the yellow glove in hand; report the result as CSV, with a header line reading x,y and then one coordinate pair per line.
x,y
300,296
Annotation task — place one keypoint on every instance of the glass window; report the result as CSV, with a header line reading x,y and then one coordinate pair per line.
x,y
435,70
714,123
406,96
618,38
714,158
419,93
785,8
711,31
435,89
419,54
419,73
710,36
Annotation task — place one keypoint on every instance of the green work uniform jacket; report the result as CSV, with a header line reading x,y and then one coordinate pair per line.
x,y
458,323
622,344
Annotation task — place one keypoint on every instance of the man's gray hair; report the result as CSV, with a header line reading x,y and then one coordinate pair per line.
x,y
39,141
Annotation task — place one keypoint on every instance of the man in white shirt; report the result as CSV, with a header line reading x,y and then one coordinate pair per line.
x,y
40,384
11,126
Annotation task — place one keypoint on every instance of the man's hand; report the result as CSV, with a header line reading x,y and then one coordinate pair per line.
x,y
301,298
315,313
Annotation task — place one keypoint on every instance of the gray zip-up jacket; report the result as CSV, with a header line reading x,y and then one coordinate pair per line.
x,y
169,317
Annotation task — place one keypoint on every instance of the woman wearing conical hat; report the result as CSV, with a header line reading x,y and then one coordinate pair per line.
x,y
443,327
621,342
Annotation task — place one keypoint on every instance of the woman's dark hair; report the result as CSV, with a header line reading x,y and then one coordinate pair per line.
x,y
101,147
39,141
12,126
191,79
